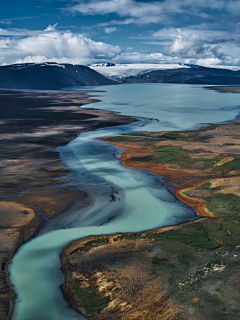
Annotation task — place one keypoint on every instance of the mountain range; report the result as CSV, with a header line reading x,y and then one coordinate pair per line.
x,y
49,75
191,74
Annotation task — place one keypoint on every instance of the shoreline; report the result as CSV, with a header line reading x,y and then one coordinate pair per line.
x,y
64,171
186,159
191,267
33,124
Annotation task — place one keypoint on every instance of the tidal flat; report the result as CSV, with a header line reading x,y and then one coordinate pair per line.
x,y
33,179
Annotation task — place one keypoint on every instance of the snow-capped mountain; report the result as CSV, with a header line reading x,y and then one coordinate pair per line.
x,y
170,73
120,71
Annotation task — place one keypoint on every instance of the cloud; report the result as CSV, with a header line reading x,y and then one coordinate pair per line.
x,y
145,12
198,44
136,57
6,22
50,45
51,28
22,46
110,30
123,8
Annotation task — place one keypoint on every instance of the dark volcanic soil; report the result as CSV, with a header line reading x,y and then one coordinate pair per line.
x,y
33,125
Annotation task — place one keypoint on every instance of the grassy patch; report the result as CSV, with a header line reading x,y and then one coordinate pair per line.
x,y
224,204
158,264
178,155
194,235
207,186
186,258
229,166
90,299
206,234
119,139
165,154
133,236
236,136
90,244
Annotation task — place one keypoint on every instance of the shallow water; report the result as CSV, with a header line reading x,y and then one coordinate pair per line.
x,y
124,200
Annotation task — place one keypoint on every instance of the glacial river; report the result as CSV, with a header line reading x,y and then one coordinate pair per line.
x,y
141,202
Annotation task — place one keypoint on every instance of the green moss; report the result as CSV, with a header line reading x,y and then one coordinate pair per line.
x,y
224,204
133,236
149,142
158,264
236,136
171,135
88,245
177,155
207,186
137,134
189,136
119,139
229,166
167,154
193,235
186,258
90,299
203,235
208,128
225,89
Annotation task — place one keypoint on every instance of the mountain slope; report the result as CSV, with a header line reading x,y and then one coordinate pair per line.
x,y
192,75
49,76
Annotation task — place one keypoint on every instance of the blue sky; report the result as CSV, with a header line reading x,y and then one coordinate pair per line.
x,y
204,32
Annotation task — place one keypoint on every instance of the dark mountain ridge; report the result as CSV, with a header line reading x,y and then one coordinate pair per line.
x,y
192,74
49,75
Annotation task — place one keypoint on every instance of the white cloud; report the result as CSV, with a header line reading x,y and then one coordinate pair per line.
x,y
52,46
198,44
51,28
156,11
110,30
136,57
123,8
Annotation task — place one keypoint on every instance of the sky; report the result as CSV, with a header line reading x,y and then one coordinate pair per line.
x,y
203,32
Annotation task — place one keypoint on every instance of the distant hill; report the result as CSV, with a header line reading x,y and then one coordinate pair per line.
x,y
49,75
192,74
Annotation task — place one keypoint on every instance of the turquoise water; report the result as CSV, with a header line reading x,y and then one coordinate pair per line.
x,y
140,201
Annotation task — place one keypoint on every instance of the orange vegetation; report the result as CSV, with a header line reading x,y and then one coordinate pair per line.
x,y
180,178
197,204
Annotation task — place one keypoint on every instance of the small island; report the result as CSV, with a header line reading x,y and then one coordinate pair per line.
x,y
190,271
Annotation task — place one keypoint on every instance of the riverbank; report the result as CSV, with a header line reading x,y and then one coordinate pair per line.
x,y
33,191
184,272
202,166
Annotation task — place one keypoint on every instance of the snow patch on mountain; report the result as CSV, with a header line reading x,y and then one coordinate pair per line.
x,y
119,71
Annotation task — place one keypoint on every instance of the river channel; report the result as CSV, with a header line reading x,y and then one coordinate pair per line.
x,y
141,202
